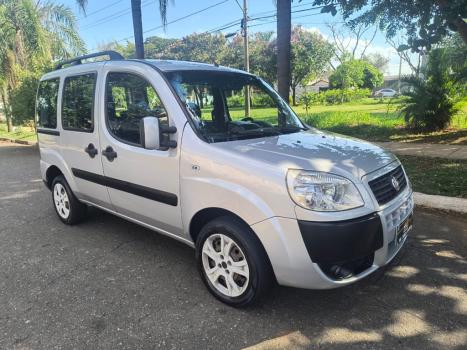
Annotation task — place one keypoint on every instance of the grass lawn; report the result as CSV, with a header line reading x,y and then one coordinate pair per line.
x,y
436,175
20,133
373,120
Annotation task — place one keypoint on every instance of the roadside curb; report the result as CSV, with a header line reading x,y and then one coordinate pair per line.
x,y
21,142
455,204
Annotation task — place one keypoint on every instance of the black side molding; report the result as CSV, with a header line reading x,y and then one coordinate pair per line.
x,y
125,186
342,241
48,132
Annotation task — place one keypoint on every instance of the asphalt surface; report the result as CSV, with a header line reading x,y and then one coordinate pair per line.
x,y
110,284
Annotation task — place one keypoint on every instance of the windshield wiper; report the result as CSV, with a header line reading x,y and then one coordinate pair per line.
x,y
291,129
265,131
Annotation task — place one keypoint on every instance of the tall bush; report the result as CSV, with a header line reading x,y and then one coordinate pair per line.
x,y
431,103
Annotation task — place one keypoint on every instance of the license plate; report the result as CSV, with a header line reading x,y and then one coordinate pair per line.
x,y
403,229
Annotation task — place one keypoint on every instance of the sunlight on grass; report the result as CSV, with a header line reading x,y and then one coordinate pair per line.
x,y
19,133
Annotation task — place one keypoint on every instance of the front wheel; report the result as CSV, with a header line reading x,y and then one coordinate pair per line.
x,y
232,262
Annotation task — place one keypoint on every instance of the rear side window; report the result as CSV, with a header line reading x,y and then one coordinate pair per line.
x,y
46,103
130,98
78,102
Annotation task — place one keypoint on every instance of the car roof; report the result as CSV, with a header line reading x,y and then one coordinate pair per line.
x,y
162,65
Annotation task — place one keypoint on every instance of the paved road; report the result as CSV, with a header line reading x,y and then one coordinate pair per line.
x,y
110,284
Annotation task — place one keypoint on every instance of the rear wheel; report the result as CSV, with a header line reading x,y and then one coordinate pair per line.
x,y
68,208
232,262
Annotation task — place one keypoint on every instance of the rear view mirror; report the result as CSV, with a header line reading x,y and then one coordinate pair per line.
x,y
150,133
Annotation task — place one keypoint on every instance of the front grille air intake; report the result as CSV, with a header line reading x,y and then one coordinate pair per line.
x,y
388,186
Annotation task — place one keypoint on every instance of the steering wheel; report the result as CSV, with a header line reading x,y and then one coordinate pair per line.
x,y
248,119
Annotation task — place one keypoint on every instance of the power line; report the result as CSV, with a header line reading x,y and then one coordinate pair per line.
x,y
114,16
189,15
227,25
101,9
179,19
241,8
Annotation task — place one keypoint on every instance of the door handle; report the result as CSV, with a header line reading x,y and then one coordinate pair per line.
x,y
109,153
91,150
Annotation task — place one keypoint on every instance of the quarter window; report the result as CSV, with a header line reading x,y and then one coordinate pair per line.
x,y
46,103
130,98
78,102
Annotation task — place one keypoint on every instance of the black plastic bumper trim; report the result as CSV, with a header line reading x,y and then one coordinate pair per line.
x,y
137,190
341,241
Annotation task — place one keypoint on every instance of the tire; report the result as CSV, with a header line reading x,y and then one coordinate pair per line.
x,y
240,275
68,208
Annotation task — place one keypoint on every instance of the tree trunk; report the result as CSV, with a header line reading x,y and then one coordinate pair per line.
x,y
283,47
6,110
462,29
137,27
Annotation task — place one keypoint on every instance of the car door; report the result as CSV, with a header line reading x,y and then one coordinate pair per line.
x,y
143,184
80,136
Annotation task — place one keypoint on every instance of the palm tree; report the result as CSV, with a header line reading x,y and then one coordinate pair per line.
x,y
137,21
32,34
284,19
137,27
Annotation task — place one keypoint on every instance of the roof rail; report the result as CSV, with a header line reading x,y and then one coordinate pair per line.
x,y
113,55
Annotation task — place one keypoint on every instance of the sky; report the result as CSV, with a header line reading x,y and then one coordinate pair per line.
x,y
110,20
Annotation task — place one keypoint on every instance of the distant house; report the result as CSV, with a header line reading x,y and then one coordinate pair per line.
x,y
313,86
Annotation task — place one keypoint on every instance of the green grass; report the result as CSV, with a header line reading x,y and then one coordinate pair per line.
x,y
373,120
21,133
437,175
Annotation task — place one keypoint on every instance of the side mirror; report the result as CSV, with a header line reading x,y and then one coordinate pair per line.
x,y
149,130
156,136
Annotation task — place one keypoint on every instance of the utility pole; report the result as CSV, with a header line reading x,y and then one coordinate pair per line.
x,y
247,55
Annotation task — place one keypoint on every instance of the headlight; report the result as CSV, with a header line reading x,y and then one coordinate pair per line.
x,y
322,191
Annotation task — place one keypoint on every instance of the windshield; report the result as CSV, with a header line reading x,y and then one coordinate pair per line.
x,y
216,104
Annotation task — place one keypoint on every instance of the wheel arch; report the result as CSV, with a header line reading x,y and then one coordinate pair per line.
x,y
52,172
203,216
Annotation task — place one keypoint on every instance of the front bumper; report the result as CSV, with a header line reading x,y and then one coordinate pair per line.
x,y
300,251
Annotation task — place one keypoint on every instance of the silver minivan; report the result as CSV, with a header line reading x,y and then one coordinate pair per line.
x,y
262,197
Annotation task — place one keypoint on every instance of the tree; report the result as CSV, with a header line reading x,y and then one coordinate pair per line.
x,y
431,102
351,42
32,34
379,61
157,47
201,47
310,57
356,74
426,22
137,27
284,20
138,23
262,46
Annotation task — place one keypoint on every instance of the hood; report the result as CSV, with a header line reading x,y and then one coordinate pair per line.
x,y
313,150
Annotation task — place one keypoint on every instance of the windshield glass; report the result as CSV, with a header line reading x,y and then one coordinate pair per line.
x,y
216,104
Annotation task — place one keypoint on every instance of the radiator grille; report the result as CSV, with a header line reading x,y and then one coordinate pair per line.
x,y
388,186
